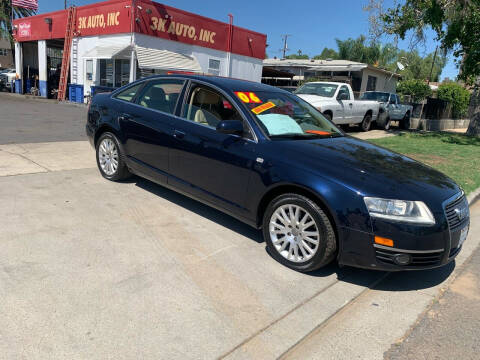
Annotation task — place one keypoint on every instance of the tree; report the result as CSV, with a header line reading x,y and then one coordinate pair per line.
x,y
417,89
6,14
456,95
457,26
297,56
419,68
327,54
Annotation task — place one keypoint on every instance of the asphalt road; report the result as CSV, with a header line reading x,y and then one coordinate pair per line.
x,y
29,121
450,329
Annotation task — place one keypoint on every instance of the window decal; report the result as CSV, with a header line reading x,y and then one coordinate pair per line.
x,y
248,97
263,107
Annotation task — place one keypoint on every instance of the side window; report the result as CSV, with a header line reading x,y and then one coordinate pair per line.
x,y
344,90
398,99
129,94
161,95
208,107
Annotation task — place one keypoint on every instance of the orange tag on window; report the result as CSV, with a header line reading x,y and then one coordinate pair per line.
x,y
264,107
318,132
248,97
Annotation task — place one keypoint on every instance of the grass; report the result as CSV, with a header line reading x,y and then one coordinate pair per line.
x,y
456,155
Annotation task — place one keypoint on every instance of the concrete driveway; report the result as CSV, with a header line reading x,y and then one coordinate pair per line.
x,y
91,269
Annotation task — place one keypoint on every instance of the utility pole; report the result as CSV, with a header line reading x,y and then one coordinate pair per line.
x,y
285,46
433,64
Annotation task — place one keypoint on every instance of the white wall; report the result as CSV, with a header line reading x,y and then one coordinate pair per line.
x,y
85,44
243,67
384,83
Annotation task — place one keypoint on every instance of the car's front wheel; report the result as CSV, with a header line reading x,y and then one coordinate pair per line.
x,y
298,233
110,159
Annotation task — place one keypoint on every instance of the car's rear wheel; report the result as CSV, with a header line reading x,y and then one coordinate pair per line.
x,y
328,116
110,159
298,233
366,123
405,123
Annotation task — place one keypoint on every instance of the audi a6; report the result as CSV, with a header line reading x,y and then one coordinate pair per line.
x,y
273,161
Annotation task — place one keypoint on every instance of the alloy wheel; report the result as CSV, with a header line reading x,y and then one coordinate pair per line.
x,y
294,233
108,156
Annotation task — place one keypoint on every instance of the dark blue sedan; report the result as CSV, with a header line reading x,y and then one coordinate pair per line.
x,y
271,160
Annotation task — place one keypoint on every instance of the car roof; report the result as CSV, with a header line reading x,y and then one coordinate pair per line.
x,y
227,84
326,82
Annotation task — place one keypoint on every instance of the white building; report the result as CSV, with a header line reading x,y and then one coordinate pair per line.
x,y
362,77
118,41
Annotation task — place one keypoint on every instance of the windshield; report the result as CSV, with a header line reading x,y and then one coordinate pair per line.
x,y
320,89
378,96
283,115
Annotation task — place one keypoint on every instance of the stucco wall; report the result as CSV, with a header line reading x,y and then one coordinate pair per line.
x,y
384,83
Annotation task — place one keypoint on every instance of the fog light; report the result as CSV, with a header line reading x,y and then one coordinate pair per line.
x,y
402,259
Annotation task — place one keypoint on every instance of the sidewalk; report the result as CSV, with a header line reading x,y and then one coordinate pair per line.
x,y
449,329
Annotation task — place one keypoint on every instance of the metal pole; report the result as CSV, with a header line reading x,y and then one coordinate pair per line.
x,y
433,64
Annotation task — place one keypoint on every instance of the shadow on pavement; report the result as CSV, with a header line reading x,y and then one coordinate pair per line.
x,y
397,281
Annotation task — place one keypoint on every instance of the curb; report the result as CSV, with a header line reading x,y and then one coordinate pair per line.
x,y
42,99
473,197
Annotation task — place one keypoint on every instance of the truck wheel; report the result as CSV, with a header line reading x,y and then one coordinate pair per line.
x,y
405,123
387,124
366,123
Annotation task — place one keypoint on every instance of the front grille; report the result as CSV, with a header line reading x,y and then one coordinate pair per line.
x,y
454,221
418,259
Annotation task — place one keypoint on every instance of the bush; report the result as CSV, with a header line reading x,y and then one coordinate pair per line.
x,y
417,89
457,95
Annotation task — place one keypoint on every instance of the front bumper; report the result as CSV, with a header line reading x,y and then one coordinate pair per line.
x,y
358,249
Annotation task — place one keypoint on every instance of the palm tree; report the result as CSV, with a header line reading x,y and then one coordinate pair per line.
x,y
7,12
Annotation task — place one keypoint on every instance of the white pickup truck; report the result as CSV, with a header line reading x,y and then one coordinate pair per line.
x,y
337,103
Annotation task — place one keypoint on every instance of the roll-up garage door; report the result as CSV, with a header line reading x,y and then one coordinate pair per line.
x,y
166,60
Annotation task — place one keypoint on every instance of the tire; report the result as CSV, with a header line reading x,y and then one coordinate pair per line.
x,y
405,123
328,116
386,125
321,253
109,151
366,123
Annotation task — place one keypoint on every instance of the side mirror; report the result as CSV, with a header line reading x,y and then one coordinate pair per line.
x,y
231,127
342,96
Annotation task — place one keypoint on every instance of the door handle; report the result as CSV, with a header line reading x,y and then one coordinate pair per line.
x,y
351,104
178,134
124,117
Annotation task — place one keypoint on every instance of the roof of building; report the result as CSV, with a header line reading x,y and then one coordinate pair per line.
x,y
324,65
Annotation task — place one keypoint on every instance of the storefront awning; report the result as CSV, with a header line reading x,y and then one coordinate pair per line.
x,y
166,60
109,52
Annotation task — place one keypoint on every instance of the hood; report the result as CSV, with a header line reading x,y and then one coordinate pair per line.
x,y
314,98
370,170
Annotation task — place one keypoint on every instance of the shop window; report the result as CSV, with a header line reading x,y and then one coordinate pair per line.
x,y
214,67
161,95
3,52
89,70
106,72
371,83
122,72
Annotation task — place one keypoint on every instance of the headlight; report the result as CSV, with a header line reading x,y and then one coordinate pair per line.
x,y
400,210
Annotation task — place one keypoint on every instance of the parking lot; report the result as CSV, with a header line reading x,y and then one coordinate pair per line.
x,y
92,269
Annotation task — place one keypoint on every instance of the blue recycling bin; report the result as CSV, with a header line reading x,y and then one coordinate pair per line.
x,y
75,93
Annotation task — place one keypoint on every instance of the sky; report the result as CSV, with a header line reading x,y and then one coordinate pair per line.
x,y
315,24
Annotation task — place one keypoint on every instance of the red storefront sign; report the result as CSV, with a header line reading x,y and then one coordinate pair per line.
x,y
25,29
150,18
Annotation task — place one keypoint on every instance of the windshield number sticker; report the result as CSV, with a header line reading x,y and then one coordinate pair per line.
x,y
248,97
264,107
